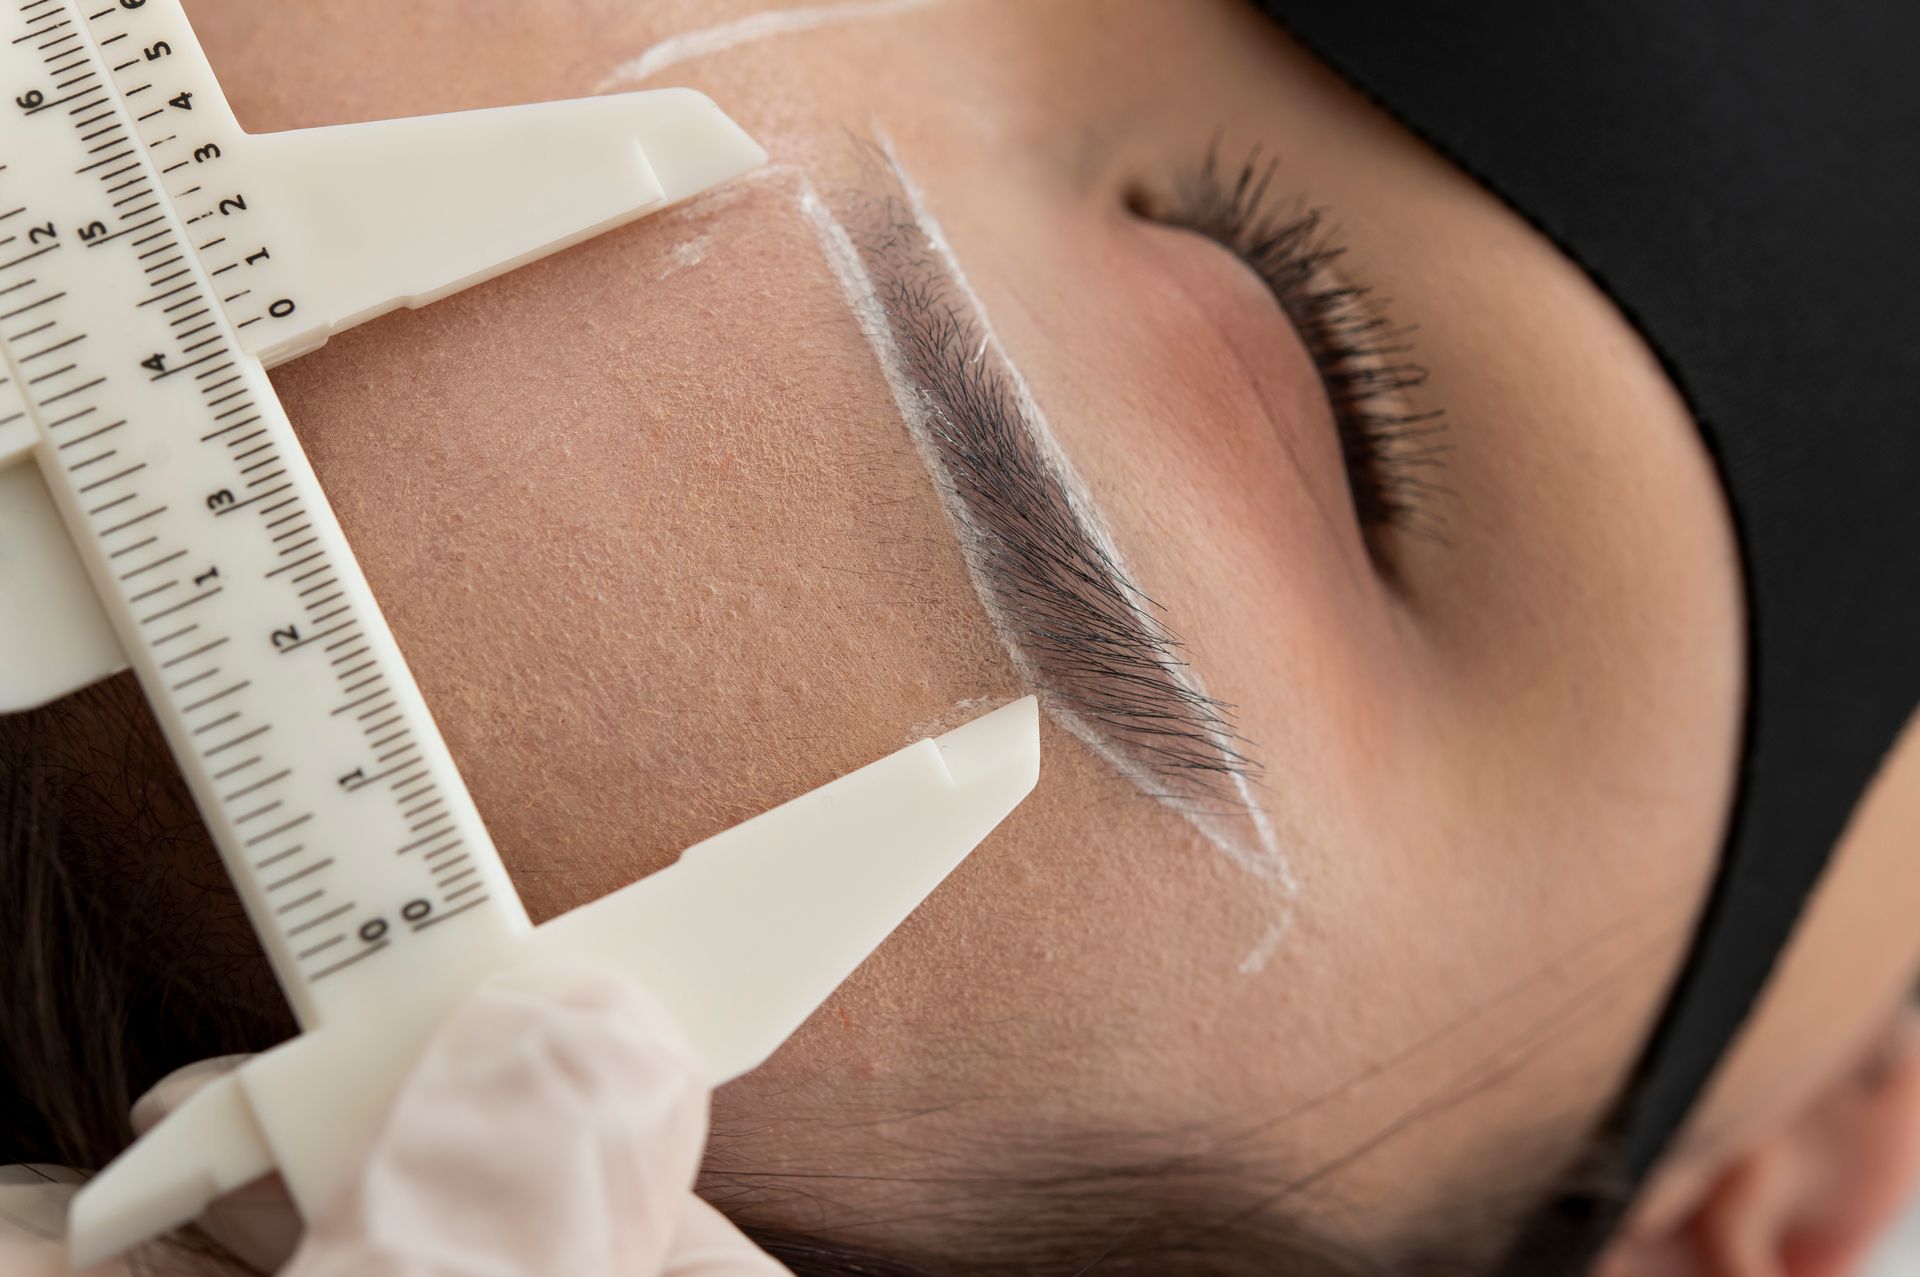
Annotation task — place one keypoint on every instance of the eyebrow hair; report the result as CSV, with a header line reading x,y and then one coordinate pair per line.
x,y
1081,630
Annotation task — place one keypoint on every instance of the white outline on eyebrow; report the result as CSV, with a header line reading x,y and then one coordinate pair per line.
x,y
1263,860
706,41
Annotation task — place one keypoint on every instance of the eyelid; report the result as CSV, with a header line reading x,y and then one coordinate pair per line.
x,y
1392,449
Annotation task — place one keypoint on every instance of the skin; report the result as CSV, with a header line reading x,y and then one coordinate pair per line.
x,y
662,555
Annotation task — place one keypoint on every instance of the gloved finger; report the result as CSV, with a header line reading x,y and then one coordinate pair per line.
x,y
257,1223
554,1125
706,1244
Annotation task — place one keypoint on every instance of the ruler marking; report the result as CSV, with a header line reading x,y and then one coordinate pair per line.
x,y
320,920
312,638
24,333
177,554
235,443
241,505
267,478
380,726
262,464
431,820
105,506
289,549
51,297
57,346
450,879
351,638
202,676
437,919
30,256
444,849
259,447
169,611
129,549
337,594
205,701
344,963
239,740
318,585
323,946
94,434
76,390
298,874
287,567
127,230
228,381
279,856
135,468
364,782
259,811
185,350
78,466
182,632
408,797
362,701
155,283
191,331
171,292
365,682
423,807
277,830
421,842
304,900
455,895
209,438
421,792
237,767
111,159
290,532
49,376
187,656
274,779
391,754
218,722
122,527
147,594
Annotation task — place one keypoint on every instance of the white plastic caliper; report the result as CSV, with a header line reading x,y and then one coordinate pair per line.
x,y
156,511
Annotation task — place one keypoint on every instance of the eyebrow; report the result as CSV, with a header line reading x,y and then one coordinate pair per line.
x,y
1081,630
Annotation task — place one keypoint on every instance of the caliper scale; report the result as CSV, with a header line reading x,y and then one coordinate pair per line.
x,y
156,511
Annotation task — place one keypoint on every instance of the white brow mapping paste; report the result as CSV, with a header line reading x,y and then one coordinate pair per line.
x,y
1246,837
761,26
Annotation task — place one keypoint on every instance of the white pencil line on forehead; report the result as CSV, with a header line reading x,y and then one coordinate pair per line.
x,y
703,42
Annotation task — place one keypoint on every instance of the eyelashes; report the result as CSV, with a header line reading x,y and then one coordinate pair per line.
x,y
1363,358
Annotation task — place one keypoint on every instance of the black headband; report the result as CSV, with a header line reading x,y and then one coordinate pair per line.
x,y
1743,179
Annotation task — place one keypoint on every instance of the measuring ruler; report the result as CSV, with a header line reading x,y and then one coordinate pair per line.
x,y
156,511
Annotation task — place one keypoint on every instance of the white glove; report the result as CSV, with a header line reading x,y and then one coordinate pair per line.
x,y
554,1125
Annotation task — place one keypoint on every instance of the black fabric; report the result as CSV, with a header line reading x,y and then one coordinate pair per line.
x,y
1743,178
